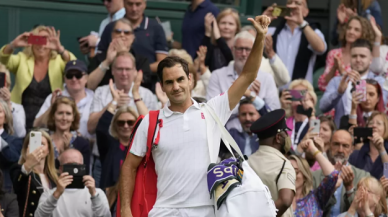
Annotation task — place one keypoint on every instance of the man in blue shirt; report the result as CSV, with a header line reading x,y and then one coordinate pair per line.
x,y
193,27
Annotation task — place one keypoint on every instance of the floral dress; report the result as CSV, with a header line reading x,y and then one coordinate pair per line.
x,y
313,204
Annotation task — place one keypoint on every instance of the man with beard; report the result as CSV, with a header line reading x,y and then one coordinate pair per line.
x,y
341,146
269,162
221,79
338,94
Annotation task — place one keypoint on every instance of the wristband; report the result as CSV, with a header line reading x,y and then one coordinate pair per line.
x,y
137,100
353,117
383,153
370,215
114,103
377,43
316,152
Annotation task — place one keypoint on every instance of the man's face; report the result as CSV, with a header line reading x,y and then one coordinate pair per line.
x,y
123,71
361,58
340,147
134,9
302,3
241,50
247,114
176,84
112,6
75,80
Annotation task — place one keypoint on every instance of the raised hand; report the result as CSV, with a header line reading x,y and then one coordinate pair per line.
x,y
53,40
384,182
376,29
347,176
296,14
21,40
377,141
111,53
318,141
137,83
162,96
209,19
261,24
33,159
66,137
269,11
5,94
90,184
255,87
113,91
57,92
356,99
268,48
63,181
338,64
91,40
341,13
344,83
285,99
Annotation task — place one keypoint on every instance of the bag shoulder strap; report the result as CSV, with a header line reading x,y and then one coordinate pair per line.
x,y
153,124
134,130
280,173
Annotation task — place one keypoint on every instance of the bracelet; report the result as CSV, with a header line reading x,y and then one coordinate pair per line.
x,y
103,68
370,215
383,153
377,43
137,100
353,117
114,103
92,197
351,191
316,152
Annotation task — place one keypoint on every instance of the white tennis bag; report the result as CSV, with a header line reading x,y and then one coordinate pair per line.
x,y
251,198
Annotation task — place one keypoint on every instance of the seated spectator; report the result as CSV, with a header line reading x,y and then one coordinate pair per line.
x,y
305,38
10,146
369,200
296,122
122,40
309,201
221,79
61,202
8,202
18,114
34,174
339,151
38,76
74,87
219,36
338,60
154,47
271,63
373,154
361,110
338,92
247,115
63,121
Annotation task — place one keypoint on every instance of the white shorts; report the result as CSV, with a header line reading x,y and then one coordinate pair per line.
x,y
202,211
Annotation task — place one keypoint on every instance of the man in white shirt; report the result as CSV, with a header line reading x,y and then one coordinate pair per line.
x,y
62,202
221,79
75,80
116,11
297,42
182,156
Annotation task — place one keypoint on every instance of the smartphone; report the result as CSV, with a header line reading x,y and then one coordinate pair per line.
x,y
37,40
79,38
2,79
35,140
297,95
361,88
78,172
281,11
316,124
363,132
302,111
386,169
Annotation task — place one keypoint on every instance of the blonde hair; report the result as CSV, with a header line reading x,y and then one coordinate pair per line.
x,y
28,50
309,88
8,122
233,13
113,126
370,182
304,168
4,69
49,164
182,54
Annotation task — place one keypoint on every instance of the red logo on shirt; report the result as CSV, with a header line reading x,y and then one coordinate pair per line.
x,y
202,116
221,94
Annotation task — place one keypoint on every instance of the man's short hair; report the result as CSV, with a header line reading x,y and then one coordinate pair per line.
x,y
245,101
362,43
169,62
127,54
244,35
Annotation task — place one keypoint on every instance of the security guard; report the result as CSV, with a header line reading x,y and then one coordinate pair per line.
x,y
269,162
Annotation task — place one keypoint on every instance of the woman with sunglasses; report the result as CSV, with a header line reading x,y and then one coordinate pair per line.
x,y
373,154
122,39
63,122
34,174
38,68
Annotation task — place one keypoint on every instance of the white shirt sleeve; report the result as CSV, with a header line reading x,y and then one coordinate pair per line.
x,y
139,144
46,105
100,205
97,105
220,105
19,120
320,34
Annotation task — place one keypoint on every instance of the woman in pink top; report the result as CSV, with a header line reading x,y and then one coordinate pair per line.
x,y
338,60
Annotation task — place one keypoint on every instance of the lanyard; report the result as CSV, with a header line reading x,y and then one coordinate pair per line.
x,y
293,140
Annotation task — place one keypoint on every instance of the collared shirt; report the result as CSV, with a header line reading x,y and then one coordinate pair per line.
x,y
116,16
182,155
193,27
336,209
83,107
287,47
221,80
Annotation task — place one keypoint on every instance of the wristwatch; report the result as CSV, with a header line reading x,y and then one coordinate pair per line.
x,y
114,103
303,25
103,68
253,94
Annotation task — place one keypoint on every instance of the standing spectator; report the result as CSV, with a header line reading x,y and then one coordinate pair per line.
x,y
34,174
338,60
122,40
373,154
150,39
18,114
8,202
38,69
116,11
193,24
219,37
295,40
338,92
62,202
341,147
380,65
75,81
10,146
63,121
264,86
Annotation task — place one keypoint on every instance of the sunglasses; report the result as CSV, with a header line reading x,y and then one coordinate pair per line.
x,y
121,123
77,75
120,31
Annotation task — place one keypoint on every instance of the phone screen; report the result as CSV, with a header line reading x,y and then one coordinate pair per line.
x,y
2,79
281,11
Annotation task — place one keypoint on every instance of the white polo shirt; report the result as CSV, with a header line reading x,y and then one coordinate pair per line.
x,y
182,156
